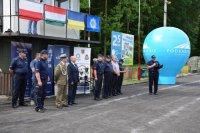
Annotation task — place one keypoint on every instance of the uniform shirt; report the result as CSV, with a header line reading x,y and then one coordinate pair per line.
x,y
33,66
108,67
60,74
155,68
115,67
42,68
19,66
99,67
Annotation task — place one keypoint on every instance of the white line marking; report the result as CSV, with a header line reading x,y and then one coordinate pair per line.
x,y
173,112
123,98
111,101
164,117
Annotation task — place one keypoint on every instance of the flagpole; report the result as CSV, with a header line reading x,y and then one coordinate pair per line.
x,y
106,10
139,49
89,4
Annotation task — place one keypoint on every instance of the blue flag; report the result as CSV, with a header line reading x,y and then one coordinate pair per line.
x,y
93,23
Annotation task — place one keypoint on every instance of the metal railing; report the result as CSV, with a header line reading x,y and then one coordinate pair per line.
x,y
5,84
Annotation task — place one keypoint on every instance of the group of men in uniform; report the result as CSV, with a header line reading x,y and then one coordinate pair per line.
x,y
107,72
66,78
108,75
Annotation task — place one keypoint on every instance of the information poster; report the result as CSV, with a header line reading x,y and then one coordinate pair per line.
x,y
122,46
83,56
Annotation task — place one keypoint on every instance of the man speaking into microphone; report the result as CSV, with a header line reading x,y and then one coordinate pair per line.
x,y
153,67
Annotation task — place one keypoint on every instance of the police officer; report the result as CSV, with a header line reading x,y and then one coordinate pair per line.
x,y
33,66
98,74
41,74
108,71
121,77
153,67
19,70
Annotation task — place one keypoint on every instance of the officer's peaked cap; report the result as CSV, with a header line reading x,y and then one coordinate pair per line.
x,y
44,52
22,51
153,56
63,56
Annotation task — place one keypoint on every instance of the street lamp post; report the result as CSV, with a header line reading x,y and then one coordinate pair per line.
x,y
165,14
89,5
139,49
166,2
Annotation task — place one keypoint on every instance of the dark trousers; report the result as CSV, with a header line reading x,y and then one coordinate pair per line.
x,y
114,84
39,94
120,81
98,86
111,85
72,93
19,88
33,90
153,80
107,84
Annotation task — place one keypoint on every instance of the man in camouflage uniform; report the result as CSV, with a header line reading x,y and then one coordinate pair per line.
x,y
60,77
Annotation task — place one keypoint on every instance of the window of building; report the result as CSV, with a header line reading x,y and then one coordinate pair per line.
x,y
62,3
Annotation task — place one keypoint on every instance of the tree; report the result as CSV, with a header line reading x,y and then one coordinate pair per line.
x,y
122,15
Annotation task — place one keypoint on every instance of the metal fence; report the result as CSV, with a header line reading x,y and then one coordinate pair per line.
x,y
5,84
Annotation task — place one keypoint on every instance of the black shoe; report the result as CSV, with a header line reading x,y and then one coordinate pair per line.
x,y
65,106
59,107
40,111
155,94
97,99
75,103
70,104
150,93
120,93
15,106
105,97
23,104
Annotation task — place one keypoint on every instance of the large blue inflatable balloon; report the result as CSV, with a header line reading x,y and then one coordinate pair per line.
x,y
171,46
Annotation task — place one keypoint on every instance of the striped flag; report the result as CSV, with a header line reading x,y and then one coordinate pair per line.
x,y
30,10
76,20
55,15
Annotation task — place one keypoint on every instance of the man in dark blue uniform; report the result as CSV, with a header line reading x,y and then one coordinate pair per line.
x,y
73,79
33,67
153,66
108,71
41,74
19,70
98,74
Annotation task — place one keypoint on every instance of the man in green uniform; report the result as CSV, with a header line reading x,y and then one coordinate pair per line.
x,y
60,77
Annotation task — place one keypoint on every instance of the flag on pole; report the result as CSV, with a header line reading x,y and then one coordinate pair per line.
x,y
76,20
55,15
30,10
93,23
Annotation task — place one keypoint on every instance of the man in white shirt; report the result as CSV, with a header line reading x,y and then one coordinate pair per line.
x,y
116,74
